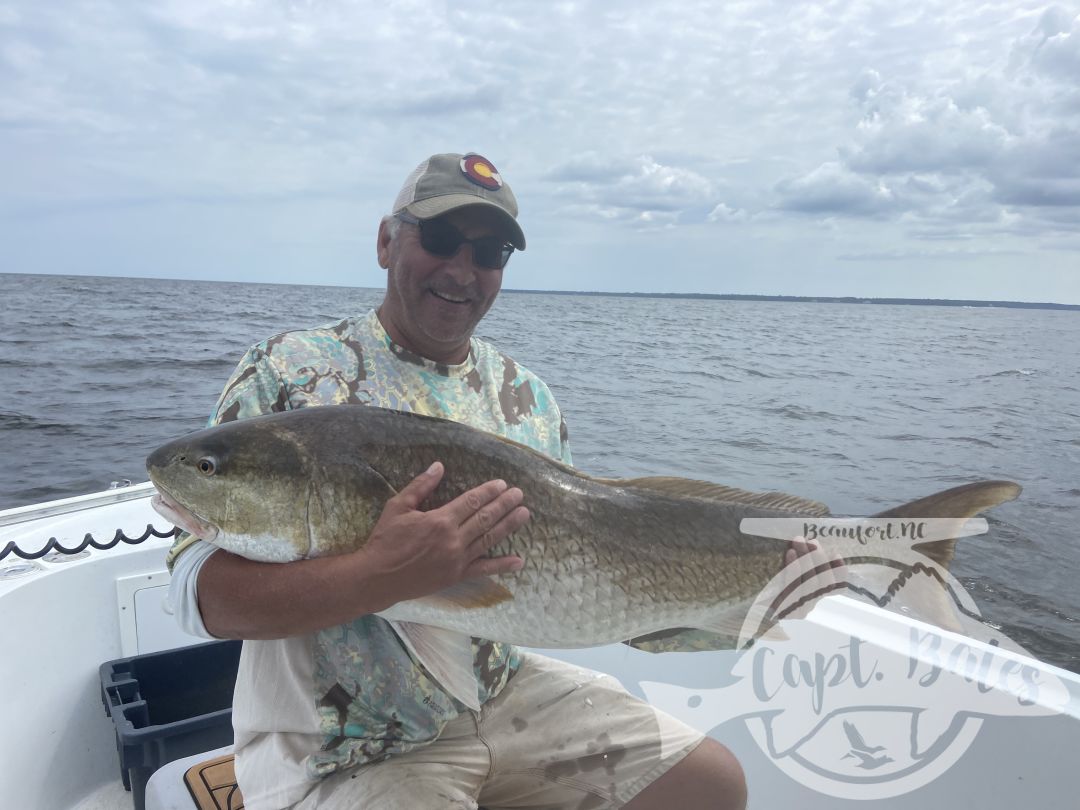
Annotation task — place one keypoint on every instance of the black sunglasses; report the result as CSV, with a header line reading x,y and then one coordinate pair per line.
x,y
439,238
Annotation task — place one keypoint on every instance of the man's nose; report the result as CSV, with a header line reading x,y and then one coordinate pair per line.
x,y
461,264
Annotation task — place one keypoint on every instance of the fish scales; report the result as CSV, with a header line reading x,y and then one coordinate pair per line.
x,y
602,562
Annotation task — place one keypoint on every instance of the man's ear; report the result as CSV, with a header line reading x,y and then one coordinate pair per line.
x,y
382,245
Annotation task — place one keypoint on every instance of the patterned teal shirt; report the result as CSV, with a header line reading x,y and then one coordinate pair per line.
x,y
306,707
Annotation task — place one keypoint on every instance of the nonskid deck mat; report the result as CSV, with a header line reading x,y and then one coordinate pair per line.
x,y
213,784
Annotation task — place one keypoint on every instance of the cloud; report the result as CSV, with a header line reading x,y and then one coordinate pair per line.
x,y
916,134
1040,170
1052,47
468,101
724,213
942,121
987,153
592,168
925,254
833,189
633,190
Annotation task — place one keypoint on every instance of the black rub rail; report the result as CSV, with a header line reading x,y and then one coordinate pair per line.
x,y
88,542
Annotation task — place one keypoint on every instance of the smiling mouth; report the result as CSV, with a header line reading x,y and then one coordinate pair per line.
x,y
452,299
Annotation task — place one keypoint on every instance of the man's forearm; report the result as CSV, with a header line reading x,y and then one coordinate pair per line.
x,y
409,554
241,598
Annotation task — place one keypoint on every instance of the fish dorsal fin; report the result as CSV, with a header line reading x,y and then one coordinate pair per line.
x,y
688,488
960,503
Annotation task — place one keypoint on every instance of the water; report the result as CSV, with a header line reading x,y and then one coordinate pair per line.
x,y
862,407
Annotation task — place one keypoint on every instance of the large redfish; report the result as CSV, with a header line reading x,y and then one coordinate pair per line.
x,y
605,560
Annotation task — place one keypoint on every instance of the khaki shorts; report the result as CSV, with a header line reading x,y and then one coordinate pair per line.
x,y
556,736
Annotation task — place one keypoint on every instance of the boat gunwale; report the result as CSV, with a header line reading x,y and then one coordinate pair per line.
x,y
78,503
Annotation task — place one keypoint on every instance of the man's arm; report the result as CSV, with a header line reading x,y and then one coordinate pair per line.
x,y
410,554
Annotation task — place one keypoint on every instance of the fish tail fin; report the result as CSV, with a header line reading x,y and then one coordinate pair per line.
x,y
959,503
921,591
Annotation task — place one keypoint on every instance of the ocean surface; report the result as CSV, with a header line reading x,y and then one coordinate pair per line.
x,y
860,406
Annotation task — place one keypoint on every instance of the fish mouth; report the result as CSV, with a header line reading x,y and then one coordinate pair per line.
x,y
183,517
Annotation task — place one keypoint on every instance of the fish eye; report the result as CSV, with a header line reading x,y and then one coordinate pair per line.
x,y
207,465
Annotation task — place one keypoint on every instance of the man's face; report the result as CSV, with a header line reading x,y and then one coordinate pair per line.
x,y
432,303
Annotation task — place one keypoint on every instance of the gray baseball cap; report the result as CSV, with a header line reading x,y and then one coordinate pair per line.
x,y
445,182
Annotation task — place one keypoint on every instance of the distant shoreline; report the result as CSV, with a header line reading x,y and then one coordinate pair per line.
x,y
819,299
797,299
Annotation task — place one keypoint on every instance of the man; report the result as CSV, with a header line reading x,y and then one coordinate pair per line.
x,y
330,710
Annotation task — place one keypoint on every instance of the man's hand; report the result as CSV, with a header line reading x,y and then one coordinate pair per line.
x,y
409,554
418,553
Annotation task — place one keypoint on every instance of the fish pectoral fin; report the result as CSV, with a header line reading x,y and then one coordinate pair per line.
x,y
689,488
730,625
446,655
959,503
469,593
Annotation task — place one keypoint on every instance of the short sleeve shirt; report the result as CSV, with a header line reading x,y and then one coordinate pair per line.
x,y
349,695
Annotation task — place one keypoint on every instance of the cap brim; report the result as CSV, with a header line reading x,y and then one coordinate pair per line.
x,y
437,206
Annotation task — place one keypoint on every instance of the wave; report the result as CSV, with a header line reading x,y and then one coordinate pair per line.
x,y
1011,372
803,413
971,440
712,375
14,420
752,444
207,363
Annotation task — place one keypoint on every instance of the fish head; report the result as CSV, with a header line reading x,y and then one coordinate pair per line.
x,y
243,486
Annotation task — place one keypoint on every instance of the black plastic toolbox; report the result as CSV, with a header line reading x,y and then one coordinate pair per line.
x,y
168,705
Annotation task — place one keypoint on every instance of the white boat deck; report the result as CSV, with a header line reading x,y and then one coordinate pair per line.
x,y
63,619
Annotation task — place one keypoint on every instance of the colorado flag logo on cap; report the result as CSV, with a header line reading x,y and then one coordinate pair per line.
x,y
480,171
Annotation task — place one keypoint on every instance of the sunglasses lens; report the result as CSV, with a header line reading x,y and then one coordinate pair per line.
x,y
491,252
440,238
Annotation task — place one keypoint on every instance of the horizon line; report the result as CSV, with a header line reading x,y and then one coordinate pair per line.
x,y
780,298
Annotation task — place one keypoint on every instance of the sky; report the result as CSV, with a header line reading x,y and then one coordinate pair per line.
x,y
924,149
